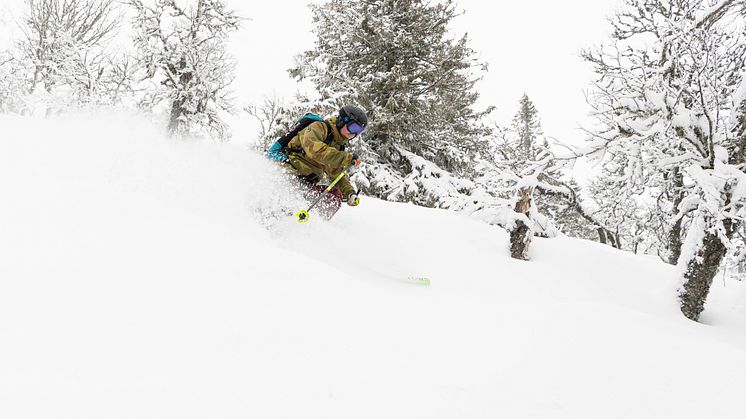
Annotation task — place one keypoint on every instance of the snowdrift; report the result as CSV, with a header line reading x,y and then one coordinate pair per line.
x,y
138,279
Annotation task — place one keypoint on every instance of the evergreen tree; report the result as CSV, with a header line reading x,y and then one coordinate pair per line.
x,y
522,151
527,128
395,59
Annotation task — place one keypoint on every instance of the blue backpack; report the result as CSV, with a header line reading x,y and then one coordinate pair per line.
x,y
278,151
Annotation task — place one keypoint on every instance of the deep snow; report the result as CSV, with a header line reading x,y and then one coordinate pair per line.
x,y
136,281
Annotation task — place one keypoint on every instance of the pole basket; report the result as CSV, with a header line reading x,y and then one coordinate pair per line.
x,y
302,216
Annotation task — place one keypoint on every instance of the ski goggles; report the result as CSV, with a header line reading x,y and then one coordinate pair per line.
x,y
355,128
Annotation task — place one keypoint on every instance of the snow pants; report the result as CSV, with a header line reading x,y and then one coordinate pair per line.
x,y
328,205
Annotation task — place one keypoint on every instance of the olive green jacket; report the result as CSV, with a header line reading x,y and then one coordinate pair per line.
x,y
309,154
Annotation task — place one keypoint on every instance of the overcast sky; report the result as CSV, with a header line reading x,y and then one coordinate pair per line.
x,y
530,46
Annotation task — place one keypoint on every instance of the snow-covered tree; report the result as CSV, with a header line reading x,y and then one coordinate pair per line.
x,y
61,38
668,98
629,218
269,115
62,56
13,83
182,45
528,135
395,59
558,196
523,167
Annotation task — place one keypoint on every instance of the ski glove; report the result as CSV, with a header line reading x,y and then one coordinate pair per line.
x,y
355,160
353,200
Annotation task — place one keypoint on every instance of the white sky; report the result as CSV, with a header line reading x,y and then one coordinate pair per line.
x,y
531,46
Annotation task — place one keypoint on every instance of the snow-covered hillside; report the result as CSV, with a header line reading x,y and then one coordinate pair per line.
x,y
137,282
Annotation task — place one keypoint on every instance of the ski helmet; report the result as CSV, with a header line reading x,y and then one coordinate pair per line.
x,y
351,113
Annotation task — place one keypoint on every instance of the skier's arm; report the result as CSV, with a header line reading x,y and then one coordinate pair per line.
x,y
312,141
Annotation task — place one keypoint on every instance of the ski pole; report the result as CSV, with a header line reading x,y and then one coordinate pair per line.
x,y
302,216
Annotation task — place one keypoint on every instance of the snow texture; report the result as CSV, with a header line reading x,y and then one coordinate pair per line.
x,y
138,280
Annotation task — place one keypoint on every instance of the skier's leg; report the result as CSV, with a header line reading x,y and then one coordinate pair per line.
x,y
332,202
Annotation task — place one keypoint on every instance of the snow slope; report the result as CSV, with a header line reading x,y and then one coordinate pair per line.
x,y
137,282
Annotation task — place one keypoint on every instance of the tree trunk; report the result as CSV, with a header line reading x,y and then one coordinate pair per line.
x,y
674,243
520,236
181,102
674,235
614,241
601,235
175,121
701,269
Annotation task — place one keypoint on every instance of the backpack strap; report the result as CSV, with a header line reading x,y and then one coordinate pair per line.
x,y
302,123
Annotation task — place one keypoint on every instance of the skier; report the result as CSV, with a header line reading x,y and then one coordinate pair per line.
x,y
318,149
